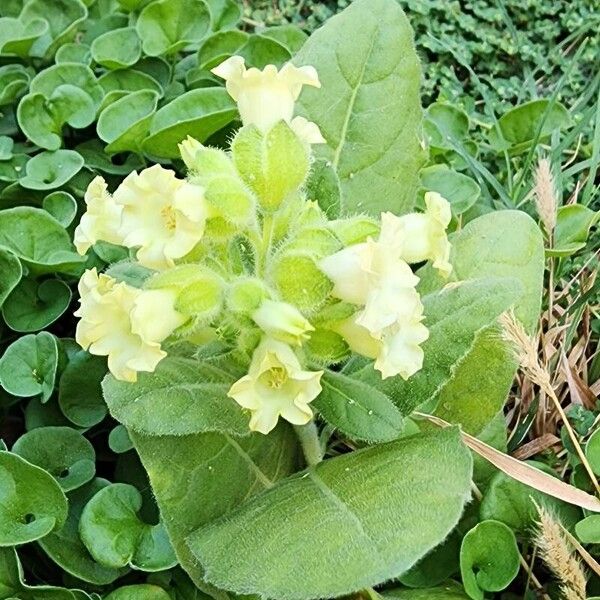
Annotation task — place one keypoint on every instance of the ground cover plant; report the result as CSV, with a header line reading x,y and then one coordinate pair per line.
x,y
271,329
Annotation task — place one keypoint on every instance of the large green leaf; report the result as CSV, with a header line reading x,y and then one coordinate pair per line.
x,y
368,108
182,396
11,272
198,478
345,524
454,315
502,244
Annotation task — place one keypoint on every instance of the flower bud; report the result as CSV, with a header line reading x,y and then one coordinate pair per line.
x,y
274,165
326,347
355,229
246,295
299,281
282,322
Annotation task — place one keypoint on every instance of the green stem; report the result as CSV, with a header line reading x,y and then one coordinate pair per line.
x,y
309,440
267,236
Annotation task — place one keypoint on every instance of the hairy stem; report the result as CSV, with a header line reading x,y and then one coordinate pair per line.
x,y
309,440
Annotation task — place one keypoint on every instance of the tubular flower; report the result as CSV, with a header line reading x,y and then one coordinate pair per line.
x,y
101,220
276,386
124,323
423,235
162,215
282,321
266,97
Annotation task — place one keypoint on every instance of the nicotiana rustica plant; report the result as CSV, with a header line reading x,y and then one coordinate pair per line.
x,y
237,254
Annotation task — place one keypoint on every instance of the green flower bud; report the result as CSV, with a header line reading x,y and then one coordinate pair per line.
x,y
319,242
326,347
204,162
282,322
246,295
299,281
229,198
355,229
273,165
333,312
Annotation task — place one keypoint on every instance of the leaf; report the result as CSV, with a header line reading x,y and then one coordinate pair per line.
x,y
142,591
37,239
588,530
368,108
14,81
224,13
450,591
119,441
357,409
62,16
80,391
65,547
219,46
117,49
197,478
489,559
167,26
34,305
11,272
129,80
28,366
17,38
182,396
51,170
460,190
62,206
74,74
198,113
116,537
573,224
124,123
61,451
344,506
31,502
455,316
500,244
592,451
445,125
323,187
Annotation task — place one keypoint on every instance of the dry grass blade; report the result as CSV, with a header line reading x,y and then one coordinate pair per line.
x,y
557,553
523,472
526,353
589,560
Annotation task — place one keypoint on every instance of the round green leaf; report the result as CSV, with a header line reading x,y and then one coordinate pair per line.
x,y
51,170
80,392
143,591
116,537
73,53
124,123
63,452
198,113
62,206
17,37
489,558
588,530
444,124
460,190
6,147
119,440
62,16
129,80
14,81
220,46
592,451
38,239
74,74
11,272
167,26
65,547
34,305
573,224
28,366
31,502
117,49
260,51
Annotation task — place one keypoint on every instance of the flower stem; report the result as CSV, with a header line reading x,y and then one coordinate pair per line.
x,y
309,440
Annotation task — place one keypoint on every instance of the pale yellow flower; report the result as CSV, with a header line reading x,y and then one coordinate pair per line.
x,y
395,349
188,150
276,386
162,216
422,235
124,323
282,322
101,220
266,97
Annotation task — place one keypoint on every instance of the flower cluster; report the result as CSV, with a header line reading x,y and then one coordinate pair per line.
x,y
237,252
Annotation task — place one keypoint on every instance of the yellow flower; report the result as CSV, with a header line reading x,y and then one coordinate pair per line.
x,y
395,349
188,150
266,97
162,215
124,323
371,274
282,321
423,235
101,220
276,386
